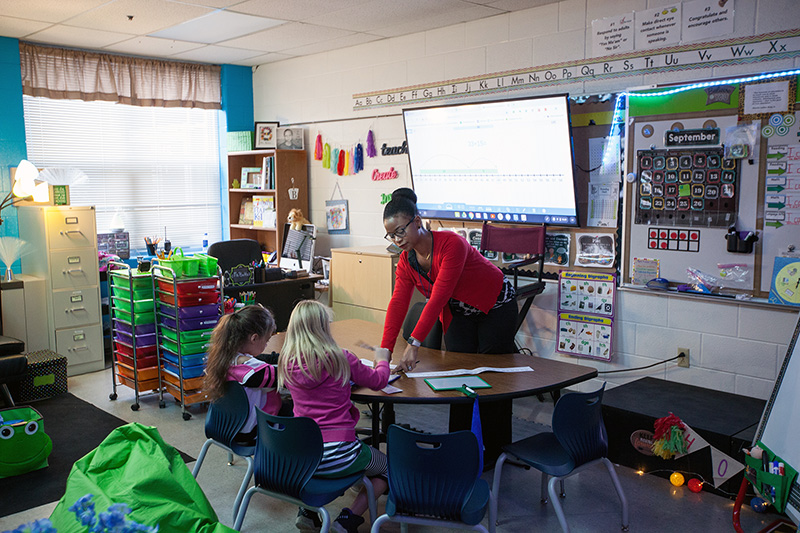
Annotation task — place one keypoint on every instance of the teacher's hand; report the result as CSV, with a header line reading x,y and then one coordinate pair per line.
x,y
409,360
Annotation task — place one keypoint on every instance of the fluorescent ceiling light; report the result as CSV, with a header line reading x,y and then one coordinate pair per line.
x,y
217,26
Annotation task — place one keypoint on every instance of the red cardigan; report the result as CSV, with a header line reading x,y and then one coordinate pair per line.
x,y
458,271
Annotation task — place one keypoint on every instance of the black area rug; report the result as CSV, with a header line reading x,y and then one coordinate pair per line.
x,y
76,427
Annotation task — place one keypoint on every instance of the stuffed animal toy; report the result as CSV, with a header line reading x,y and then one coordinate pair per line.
x,y
296,219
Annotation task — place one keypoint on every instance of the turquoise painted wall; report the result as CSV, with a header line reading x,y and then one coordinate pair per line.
x,y
12,130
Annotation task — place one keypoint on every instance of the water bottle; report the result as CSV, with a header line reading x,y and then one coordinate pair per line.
x,y
205,243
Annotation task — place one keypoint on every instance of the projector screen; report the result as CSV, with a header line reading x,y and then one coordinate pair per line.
x,y
507,160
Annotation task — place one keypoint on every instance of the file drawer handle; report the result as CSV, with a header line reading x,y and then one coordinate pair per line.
x,y
73,271
71,231
74,309
78,349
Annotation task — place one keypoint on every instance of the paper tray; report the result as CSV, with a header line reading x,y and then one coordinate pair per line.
x,y
456,383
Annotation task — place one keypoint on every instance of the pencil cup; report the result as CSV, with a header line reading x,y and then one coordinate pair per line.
x,y
151,249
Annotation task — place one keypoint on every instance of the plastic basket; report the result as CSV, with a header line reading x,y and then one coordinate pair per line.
x,y
141,351
186,348
174,265
190,266
141,318
188,324
188,371
188,287
208,265
188,360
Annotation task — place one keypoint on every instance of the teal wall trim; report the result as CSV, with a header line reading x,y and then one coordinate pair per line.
x,y
12,130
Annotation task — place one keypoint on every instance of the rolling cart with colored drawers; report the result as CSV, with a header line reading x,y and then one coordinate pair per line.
x,y
135,362
187,310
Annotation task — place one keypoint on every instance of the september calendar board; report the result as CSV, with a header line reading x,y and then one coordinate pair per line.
x,y
689,187
586,310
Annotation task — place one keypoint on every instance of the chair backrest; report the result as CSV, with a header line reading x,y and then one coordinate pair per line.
x,y
434,338
227,415
431,475
578,425
519,240
235,252
288,451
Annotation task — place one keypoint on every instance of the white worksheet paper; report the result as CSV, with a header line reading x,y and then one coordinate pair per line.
x,y
466,372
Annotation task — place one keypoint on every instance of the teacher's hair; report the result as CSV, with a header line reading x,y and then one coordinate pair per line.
x,y
403,202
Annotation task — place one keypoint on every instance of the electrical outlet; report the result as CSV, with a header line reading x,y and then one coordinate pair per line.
x,y
683,361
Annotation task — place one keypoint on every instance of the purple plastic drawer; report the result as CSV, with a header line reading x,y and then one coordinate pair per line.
x,y
148,339
188,324
191,312
140,330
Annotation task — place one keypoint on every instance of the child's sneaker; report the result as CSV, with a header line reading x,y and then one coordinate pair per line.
x,y
347,522
307,520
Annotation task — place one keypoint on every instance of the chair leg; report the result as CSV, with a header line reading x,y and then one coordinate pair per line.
x,y
543,492
237,525
495,500
551,489
7,395
371,501
201,457
376,525
251,466
563,493
326,519
231,459
613,473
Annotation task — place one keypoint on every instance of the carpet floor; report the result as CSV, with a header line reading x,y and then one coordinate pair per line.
x,y
76,427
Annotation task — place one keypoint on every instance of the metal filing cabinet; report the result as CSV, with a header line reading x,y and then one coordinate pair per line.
x,y
63,241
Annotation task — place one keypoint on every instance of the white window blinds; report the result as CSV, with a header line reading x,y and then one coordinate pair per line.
x,y
157,167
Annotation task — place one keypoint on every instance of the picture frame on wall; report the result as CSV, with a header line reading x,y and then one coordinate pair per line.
x,y
266,135
290,138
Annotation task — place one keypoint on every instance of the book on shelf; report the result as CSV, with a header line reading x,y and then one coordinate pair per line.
x,y
246,213
268,172
264,211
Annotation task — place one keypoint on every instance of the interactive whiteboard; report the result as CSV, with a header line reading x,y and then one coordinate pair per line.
x,y
779,428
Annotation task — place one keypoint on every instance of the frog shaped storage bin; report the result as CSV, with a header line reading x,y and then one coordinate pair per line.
x,y
24,446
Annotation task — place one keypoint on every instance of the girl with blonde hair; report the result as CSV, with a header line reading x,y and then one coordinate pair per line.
x,y
318,373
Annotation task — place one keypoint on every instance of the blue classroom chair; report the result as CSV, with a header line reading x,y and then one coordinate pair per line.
x,y
578,441
288,452
225,419
435,480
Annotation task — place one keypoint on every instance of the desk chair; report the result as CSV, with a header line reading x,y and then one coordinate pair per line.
x,y
225,419
520,240
288,452
578,441
435,480
235,252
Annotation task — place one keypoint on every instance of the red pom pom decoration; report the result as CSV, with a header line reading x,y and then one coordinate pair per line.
x,y
695,485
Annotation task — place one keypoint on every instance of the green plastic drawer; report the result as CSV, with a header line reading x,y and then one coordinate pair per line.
x,y
198,335
186,348
141,306
140,279
141,318
145,293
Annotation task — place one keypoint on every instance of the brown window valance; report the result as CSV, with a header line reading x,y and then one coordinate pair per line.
x,y
63,73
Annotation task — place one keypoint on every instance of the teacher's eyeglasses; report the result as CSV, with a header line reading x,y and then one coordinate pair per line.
x,y
399,233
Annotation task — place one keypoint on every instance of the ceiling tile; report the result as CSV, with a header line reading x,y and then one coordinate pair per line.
x,y
148,16
19,28
286,36
77,37
217,26
386,13
216,54
296,10
440,20
516,5
266,58
47,10
152,46
333,44
215,4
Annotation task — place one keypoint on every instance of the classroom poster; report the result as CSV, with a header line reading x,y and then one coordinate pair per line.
x,y
659,27
586,310
612,35
556,247
705,19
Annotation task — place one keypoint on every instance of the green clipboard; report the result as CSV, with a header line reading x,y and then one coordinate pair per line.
x,y
457,383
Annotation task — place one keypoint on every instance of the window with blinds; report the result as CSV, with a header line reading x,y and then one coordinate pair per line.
x,y
158,168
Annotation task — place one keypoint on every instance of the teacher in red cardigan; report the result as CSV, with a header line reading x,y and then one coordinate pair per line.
x,y
470,296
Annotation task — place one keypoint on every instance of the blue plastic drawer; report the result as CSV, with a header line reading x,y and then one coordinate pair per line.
x,y
188,360
189,372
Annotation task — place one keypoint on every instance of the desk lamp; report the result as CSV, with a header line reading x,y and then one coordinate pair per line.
x,y
25,187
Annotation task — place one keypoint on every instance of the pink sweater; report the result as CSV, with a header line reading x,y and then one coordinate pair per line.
x,y
327,401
